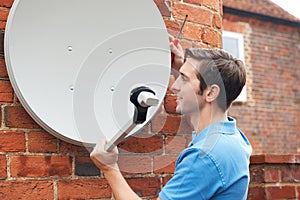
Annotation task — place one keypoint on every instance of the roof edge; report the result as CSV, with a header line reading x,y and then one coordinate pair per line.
x,y
245,13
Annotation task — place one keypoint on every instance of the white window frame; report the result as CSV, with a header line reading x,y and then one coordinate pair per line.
x,y
241,51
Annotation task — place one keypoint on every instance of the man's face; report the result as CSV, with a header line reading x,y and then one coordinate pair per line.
x,y
186,87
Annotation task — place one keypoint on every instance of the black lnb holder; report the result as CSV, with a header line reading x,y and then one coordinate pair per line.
x,y
140,112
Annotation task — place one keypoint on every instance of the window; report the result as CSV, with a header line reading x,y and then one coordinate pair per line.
x,y
234,44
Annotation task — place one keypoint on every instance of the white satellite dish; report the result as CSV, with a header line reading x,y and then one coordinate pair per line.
x,y
74,63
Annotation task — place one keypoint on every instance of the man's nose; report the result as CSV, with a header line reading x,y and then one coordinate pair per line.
x,y
174,85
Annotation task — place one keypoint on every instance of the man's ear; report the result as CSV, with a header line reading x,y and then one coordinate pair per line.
x,y
212,93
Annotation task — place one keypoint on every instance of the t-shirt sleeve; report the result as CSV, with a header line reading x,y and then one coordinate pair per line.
x,y
196,177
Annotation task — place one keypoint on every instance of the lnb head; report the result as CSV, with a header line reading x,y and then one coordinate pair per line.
x,y
147,99
142,97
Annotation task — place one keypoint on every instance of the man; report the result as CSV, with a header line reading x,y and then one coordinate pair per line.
x,y
216,163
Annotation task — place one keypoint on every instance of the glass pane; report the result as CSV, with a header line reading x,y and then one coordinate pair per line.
x,y
231,45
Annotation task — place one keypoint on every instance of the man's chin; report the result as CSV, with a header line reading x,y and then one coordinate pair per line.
x,y
179,111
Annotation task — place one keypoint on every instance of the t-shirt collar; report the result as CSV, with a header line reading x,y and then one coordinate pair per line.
x,y
224,127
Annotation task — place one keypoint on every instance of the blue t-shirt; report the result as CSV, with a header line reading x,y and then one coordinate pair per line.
x,y
214,166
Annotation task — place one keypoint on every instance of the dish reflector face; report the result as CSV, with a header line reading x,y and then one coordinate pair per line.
x,y
73,63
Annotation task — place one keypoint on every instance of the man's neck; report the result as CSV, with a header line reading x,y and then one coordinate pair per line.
x,y
206,117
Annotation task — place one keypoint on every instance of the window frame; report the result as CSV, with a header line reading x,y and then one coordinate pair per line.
x,y
241,51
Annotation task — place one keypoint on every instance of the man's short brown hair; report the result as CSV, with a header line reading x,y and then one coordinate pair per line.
x,y
218,67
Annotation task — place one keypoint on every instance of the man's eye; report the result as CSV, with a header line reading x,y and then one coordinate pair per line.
x,y
183,78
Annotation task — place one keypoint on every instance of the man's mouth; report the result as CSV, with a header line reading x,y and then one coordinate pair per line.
x,y
179,98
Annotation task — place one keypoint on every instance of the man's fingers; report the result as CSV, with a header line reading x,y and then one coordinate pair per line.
x,y
179,47
176,50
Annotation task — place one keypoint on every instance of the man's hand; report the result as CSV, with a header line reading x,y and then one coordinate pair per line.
x,y
104,160
178,53
107,162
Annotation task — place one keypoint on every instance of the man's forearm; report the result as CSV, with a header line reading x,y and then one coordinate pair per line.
x,y
119,186
107,163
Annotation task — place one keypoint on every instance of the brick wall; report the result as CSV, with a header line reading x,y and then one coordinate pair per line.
x,y
270,117
274,177
36,165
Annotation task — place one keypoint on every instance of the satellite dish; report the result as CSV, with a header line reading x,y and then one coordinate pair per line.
x,y
74,63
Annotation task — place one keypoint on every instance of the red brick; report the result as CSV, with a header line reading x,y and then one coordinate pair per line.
x,y
256,193
195,14
3,14
165,180
290,173
193,32
196,2
175,144
256,173
143,144
172,26
41,142
221,8
170,104
163,7
84,166
65,147
16,100
12,141
297,156
147,186
284,192
213,4
6,91
166,123
164,164
172,124
134,164
146,128
17,117
2,26
237,27
211,37
3,168
271,174
275,127
6,3
3,70
1,38
40,166
279,159
26,190
257,159
217,21
83,189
